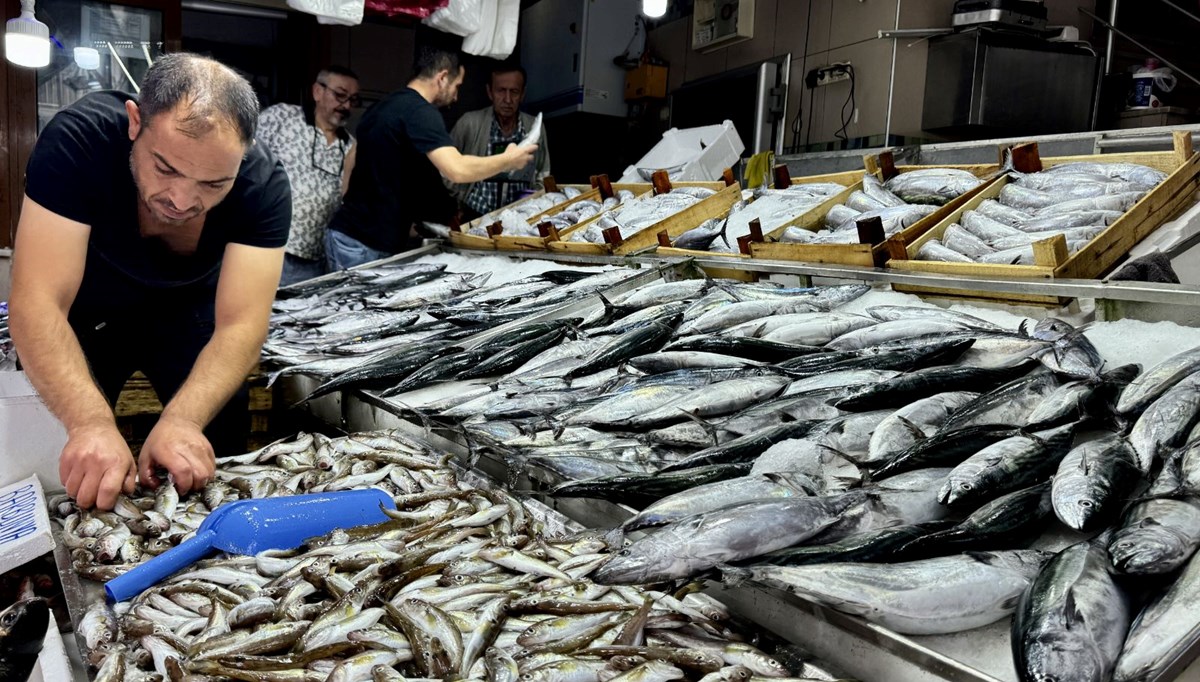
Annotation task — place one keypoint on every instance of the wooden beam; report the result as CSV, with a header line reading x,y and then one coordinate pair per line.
x,y
605,187
495,229
870,231
727,176
661,182
756,233
1182,140
548,231
783,178
1026,159
549,184
1051,252
664,239
896,250
612,235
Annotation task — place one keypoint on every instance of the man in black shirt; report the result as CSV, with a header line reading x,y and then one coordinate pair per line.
x,y
403,151
151,238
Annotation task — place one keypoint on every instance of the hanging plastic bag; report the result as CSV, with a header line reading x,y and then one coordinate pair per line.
x,y
497,34
460,17
337,12
420,9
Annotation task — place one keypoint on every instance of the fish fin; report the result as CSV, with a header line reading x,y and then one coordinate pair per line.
x,y
1085,464
913,429
710,429
558,428
721,234
615,538
734,576
1023,328
1071,613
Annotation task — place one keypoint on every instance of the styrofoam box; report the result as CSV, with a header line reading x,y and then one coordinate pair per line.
x,y
695,154
31,438
24,524
53,664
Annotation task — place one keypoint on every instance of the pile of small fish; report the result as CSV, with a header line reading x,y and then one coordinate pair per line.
x,y
360,317
929,188
460,583
772,208
1076,200
636,215
8,353
516,215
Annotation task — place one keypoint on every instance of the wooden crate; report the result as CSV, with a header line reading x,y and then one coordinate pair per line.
x,y
462,239
511,243
871,251
675,225
1098,256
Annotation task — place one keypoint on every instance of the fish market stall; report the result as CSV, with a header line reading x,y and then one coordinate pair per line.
x,y
837,395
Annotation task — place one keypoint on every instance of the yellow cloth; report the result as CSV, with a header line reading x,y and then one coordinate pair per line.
x,y
759,169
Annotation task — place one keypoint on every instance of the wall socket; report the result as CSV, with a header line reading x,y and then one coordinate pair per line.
x,y
827,75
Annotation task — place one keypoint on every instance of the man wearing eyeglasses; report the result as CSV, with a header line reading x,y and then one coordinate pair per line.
x,y
312,144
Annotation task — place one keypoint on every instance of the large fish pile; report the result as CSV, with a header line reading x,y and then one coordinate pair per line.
x,y
1076,200
636,215
366,317
772,208
460,583
894,464
925,191
517,214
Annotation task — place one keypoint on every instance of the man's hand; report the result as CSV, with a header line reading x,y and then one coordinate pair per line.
x,y
520,157
96,465
179,446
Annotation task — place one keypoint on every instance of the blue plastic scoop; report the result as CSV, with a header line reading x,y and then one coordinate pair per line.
x,y
252,526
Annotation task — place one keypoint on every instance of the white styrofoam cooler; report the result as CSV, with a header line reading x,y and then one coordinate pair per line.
x,y
31,438
698,154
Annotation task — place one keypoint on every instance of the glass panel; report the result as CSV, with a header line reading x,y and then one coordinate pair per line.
x,y
97,46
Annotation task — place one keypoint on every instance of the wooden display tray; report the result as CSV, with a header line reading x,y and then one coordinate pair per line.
x,y
675,225
462,239
1097,257
870,252
511,243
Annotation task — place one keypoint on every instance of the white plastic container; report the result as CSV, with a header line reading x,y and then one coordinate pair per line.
x,y
691,154
31,438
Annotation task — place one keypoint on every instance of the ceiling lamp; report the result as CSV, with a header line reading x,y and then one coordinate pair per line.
x,y
654,8
27,40
87,58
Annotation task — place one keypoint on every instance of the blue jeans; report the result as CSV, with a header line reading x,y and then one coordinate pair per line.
x,y
297,269
343,251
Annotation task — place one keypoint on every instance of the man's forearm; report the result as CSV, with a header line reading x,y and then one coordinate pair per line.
x,y
220,369
477,168
53,360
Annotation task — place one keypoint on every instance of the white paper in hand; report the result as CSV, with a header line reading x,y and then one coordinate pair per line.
x,y
535,135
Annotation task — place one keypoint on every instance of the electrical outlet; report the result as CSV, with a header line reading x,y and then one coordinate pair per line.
x,y
834,73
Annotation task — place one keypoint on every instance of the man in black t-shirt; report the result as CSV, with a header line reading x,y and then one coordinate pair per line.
x,y
403,151
151,238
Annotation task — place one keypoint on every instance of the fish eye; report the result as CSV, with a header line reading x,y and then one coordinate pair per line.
x,y
965,486
623,552
1086,504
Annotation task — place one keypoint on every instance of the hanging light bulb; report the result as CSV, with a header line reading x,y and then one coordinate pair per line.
x,y
654,8
27,40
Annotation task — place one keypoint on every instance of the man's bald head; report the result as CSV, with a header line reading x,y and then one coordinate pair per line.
x,y
208,94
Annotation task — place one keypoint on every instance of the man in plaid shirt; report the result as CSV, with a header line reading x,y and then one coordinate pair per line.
x,y
489,131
